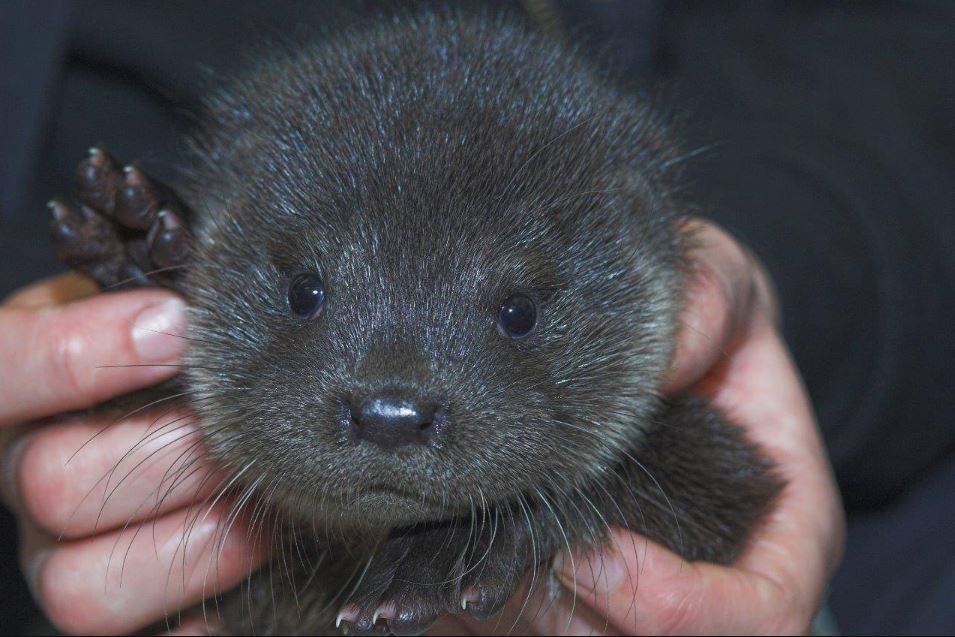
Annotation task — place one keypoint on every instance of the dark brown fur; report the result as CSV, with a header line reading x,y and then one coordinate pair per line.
x,y
427,167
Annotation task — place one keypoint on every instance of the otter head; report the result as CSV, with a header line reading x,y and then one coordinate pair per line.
x,y
426,290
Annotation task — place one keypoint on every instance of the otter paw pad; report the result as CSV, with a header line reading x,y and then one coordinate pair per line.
x,y
126,229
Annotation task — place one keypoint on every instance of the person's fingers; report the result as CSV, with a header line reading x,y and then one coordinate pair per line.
x,y
119,582
725,286
89,475
777,583
549,612
801,540
728,349
194,625
73,356
57,290
12,440
642,588
451,626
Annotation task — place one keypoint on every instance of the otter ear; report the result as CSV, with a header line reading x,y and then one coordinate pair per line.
x,y
657,216
127,230
632,207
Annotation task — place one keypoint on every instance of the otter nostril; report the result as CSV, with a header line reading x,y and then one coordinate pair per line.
x,y
393,422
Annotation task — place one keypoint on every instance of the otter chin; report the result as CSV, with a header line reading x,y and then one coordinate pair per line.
x,y
434,269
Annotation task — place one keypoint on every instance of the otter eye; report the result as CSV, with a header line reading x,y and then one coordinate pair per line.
x,y
518,316
306,294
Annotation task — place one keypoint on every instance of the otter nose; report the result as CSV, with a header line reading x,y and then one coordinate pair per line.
x,y
393,423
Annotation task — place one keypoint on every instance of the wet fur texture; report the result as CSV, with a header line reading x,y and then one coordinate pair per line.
x,y
427,167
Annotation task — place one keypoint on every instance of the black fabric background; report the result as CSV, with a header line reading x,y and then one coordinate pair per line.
x,y
822,134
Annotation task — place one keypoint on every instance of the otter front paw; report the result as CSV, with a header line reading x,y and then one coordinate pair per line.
x,y
128,229
412,580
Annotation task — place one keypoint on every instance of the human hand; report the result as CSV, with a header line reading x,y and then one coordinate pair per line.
x,y
728,349
117,526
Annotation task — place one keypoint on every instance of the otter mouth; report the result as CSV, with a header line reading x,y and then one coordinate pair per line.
x,y
381,489
396,504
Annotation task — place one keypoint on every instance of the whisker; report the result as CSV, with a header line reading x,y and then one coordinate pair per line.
x,y
134,279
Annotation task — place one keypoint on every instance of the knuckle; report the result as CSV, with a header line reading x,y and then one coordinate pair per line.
x,y
71,371
711,299
675,611
732,291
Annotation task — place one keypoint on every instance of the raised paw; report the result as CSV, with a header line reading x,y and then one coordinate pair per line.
x,y
415,579
403,590
127,230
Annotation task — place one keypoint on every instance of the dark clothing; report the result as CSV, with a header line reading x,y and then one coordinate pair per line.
x,y
822,134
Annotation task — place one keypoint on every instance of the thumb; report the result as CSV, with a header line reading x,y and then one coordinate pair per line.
x,y
642,588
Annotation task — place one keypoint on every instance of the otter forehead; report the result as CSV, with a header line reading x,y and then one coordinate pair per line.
x,y
475,115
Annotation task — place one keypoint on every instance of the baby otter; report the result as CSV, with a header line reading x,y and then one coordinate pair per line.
x,y
434,270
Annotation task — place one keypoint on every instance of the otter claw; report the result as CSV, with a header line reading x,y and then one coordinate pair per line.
x,y
346,616
481,604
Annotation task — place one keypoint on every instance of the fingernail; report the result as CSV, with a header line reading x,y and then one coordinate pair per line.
x,y
31,572
11,462
599,570
158,329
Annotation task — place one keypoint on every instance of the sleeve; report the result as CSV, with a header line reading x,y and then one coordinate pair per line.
x,y
822,137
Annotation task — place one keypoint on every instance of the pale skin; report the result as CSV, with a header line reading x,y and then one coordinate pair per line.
x,y
121,566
